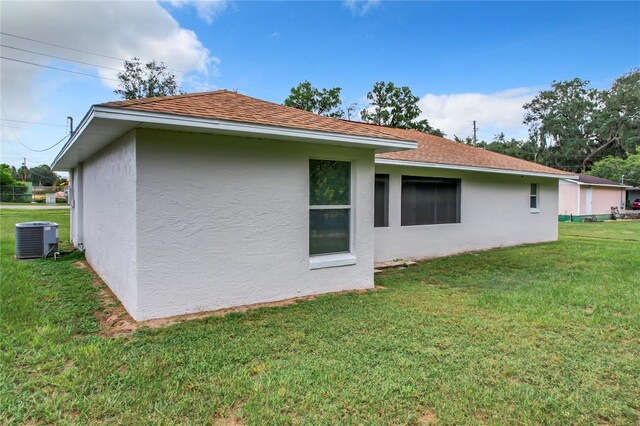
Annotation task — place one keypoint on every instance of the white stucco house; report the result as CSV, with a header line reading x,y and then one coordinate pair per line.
x,y
225,200
587,195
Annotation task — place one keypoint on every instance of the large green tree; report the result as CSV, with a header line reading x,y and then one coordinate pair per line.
x,y
43,175
615,168
146,80
574,125
320,101
395,106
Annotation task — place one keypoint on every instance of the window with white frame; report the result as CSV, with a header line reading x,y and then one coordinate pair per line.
x,y
329,207
533,198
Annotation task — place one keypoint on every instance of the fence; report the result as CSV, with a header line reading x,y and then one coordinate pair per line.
x,y
16,193
26,193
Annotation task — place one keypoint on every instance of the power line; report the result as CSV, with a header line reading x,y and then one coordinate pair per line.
x,y
31,122
59,45
31,149
60,57
74,49
58,69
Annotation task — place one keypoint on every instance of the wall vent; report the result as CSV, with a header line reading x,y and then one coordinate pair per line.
x,y
36,239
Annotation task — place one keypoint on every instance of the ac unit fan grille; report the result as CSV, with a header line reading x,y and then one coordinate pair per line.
x,y
30,242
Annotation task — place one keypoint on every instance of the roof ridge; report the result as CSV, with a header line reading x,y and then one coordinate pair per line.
x,y
145,101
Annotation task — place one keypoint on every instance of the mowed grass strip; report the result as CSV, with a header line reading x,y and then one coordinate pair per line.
x,y
545,333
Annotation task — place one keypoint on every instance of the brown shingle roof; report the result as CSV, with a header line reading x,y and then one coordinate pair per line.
x,y
434,149
231,106
226,105
582,178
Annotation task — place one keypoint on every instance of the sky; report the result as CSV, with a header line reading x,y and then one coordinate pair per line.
x,y
466,61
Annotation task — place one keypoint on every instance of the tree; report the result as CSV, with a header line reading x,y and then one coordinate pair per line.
x,y
43,175
10,189
324,102
616,125
575,125
613,168
13,172
394,106
146,81
558,120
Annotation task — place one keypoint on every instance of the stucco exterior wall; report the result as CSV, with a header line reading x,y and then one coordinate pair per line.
x,y
605,197
76,199
224,221
108,185
494,213
568,198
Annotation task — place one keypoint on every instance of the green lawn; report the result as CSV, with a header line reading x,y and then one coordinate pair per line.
x,y
537,334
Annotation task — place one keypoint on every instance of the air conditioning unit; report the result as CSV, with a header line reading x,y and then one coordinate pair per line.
x,y
36,239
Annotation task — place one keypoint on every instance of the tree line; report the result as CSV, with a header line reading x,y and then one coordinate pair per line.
x,y
572,126
39,175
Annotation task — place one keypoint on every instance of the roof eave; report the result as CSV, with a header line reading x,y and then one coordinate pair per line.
x,y
130,119
600,184
388,161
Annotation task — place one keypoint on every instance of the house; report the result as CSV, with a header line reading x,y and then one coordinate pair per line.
x,y
590,196
633,193
226,200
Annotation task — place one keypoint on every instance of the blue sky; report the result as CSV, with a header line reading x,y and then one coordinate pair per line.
x,y
466,61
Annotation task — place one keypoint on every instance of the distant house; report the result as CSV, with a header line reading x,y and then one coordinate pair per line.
x,y
633,193
590,196
225,200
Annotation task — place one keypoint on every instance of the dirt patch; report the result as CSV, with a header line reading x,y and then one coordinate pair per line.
x,y
161,322
114,320
428,418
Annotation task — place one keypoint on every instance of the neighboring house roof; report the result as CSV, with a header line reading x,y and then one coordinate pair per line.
x,y
589,180
228,112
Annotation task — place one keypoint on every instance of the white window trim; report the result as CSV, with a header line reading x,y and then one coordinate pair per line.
x,y
333,260
536,209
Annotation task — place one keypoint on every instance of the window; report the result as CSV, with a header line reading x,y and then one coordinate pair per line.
x,y
428,201
533,198
381,209
329,206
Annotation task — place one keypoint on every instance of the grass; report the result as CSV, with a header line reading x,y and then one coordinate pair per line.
x,y
626,230
547,333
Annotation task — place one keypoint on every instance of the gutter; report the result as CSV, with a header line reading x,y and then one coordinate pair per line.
x,y
386,161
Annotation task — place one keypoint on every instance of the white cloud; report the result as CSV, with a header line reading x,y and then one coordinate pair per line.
x,y
493,112
207,10
360,7
118,30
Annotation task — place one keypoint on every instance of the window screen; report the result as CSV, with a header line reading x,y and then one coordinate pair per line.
x,y
381,210
329,206
428,201
533,197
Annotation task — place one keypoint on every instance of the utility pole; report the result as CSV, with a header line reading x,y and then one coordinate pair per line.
x,y
475,133
24,170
